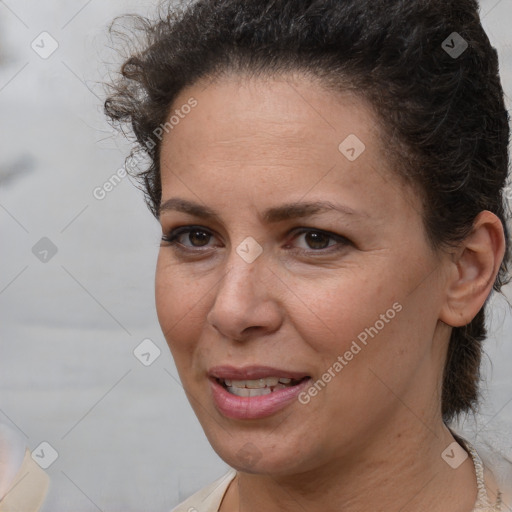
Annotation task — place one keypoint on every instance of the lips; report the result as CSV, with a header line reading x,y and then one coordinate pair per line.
x,y
254,392
253,373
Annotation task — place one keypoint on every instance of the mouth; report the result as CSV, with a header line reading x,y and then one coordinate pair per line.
x,y
258,387
254,392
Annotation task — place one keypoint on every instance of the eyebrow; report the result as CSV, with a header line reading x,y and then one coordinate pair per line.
x,y
271,215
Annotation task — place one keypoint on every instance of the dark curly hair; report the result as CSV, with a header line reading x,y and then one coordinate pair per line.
x,y
441,112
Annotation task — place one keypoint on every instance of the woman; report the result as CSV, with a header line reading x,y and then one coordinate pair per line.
x,y
329,180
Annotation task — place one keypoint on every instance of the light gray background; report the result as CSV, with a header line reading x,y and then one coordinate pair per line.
x,y
126,436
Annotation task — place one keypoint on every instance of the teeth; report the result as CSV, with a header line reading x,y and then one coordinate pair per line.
x,y
247,392
257,387
255,384
258,383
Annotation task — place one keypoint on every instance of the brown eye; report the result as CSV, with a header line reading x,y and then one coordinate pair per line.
x,y
318,241
198,237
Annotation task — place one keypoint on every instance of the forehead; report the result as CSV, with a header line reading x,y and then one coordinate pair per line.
x,y
290,116
290,133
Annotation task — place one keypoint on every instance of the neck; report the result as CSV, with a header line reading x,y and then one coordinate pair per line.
x,y
401,470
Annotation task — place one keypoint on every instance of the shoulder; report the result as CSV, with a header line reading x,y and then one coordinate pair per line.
x,y
493,459
502,470
498,472
28,488
208,498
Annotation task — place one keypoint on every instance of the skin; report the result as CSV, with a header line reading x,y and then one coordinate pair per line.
x,y
372,438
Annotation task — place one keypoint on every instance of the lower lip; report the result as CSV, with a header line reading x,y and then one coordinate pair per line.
x,y
255,407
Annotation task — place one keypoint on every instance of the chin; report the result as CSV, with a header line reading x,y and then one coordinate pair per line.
x,y
255,453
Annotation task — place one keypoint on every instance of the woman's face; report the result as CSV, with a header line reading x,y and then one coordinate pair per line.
x,y
262,286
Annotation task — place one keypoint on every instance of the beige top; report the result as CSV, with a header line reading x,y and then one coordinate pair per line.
x,y
28,489
210,497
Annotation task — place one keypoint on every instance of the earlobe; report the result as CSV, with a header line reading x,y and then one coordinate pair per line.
x,y
474,269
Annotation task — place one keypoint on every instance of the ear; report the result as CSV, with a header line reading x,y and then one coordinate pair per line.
x,y
473,270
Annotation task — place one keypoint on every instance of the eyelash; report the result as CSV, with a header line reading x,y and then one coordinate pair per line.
x,y
173,235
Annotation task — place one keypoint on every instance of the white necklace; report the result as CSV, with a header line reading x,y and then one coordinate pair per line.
x,y
483,504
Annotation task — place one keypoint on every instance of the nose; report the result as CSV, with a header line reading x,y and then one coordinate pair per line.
x,y
245,305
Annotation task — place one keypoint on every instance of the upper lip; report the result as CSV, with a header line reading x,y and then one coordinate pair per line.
x,y
252,373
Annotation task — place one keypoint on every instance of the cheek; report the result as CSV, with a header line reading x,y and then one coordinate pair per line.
x,y
338,309
369,320
179,306
383,343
